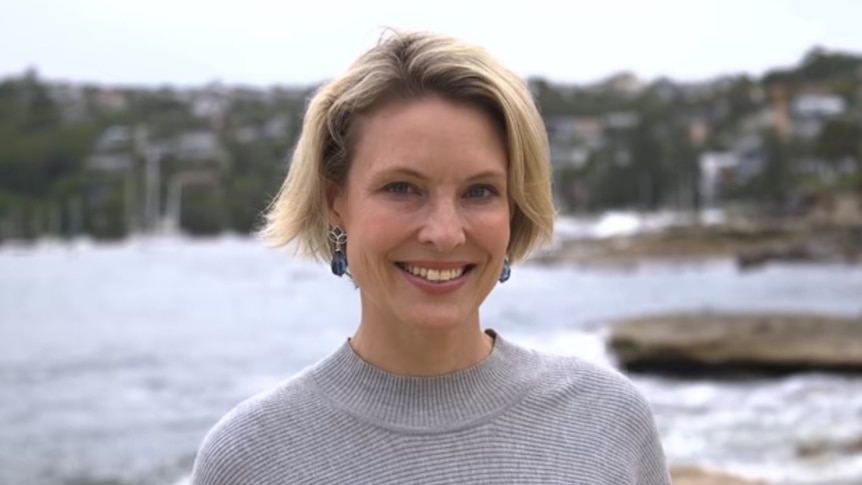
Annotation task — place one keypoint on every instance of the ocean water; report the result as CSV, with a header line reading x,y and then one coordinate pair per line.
x,y
116,359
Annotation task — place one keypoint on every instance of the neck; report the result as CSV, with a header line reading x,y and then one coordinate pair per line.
x,y
407,351
439,403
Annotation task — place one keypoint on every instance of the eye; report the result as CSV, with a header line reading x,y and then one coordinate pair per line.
x,y
481,191
399,188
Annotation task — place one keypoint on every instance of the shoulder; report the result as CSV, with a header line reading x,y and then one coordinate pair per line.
x,y
232,449
590,377
607,407
608,394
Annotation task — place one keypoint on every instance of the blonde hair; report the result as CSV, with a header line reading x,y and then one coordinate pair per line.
x,y
409,66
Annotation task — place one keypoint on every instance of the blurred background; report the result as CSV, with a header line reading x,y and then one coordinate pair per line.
x,y
707,162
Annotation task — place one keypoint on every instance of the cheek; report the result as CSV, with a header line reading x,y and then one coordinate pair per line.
x,y
373,232
367,256
493,228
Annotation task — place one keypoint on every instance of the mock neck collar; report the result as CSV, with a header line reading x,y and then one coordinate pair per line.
x,y
437,403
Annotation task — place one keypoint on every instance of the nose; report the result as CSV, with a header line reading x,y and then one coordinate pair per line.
x,y
443,226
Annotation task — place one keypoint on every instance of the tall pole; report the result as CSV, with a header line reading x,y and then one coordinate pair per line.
x,y
152,157
152,179
130,206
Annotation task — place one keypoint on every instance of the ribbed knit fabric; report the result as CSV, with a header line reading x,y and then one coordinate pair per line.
x,y
518,417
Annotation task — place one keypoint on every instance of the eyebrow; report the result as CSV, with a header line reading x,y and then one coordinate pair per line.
x,y
487,174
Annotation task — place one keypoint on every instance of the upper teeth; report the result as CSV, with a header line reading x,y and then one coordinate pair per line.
x,y
435,274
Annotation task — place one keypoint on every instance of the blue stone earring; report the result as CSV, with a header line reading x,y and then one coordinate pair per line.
x,y
507,271
339,261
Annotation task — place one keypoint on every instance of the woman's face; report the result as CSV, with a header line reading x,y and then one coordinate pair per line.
x,y
426,210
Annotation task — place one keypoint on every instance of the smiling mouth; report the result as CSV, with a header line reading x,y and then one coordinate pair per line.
x,y
436,275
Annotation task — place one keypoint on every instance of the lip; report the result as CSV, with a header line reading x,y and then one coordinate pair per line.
x,y
437,264
437,288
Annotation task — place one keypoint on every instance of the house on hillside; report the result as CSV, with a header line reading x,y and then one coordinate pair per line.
x,y
110,100
810,111
722,170
625,83
71,101
621,120
110,162
568,155
573,138
196,146
276,128
827,171
717,171
115,149
576,130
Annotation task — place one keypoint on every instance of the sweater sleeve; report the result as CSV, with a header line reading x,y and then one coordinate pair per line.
x,y
651,466
220,459
227,453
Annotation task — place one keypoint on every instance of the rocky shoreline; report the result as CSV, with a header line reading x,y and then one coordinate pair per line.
x,y
720,344
750,244
737,345
689,475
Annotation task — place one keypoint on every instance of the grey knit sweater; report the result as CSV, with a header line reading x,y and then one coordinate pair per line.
x,y
518,417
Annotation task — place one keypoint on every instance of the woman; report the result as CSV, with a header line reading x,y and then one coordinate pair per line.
x,y
422,174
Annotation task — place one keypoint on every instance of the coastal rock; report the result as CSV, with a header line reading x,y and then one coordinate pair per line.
x,y
823,246
847,446
686,475
751,245
715,343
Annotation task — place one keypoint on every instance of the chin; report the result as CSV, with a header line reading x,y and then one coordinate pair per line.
x,y
436,321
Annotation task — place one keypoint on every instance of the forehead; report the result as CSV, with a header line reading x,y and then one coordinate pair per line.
x,y
429,135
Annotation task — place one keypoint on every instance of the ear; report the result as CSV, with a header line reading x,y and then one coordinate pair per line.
x,y
336,204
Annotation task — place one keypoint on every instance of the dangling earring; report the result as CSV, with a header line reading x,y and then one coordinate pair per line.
x,y
339,261
507,271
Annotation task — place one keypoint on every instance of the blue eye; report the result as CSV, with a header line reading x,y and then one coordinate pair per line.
x,y
481,191
398,188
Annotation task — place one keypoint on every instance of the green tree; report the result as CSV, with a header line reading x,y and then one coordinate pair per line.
x,y
774,184
818,65
840,138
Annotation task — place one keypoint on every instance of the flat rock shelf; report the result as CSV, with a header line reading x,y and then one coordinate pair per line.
x,y
727,343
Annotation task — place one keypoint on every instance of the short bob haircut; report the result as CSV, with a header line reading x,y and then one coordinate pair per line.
x,y
405,66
